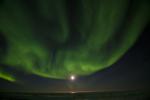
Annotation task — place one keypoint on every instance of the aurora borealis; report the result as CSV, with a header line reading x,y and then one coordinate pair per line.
x,y
54,39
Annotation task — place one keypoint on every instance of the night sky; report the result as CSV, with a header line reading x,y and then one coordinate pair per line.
x,y
103,43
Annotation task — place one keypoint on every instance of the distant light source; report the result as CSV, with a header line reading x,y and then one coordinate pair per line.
x,y
72,77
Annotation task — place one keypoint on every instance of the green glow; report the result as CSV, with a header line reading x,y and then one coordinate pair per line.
x,y
107,30
7,76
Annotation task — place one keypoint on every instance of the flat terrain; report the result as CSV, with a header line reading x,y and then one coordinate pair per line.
x,y
126,95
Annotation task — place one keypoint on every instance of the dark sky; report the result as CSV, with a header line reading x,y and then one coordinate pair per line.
x,y
130,72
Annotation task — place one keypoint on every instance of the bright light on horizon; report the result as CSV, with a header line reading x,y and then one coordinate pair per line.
x,y
72,77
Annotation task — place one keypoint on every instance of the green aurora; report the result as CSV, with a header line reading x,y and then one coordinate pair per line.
x,y
57,38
